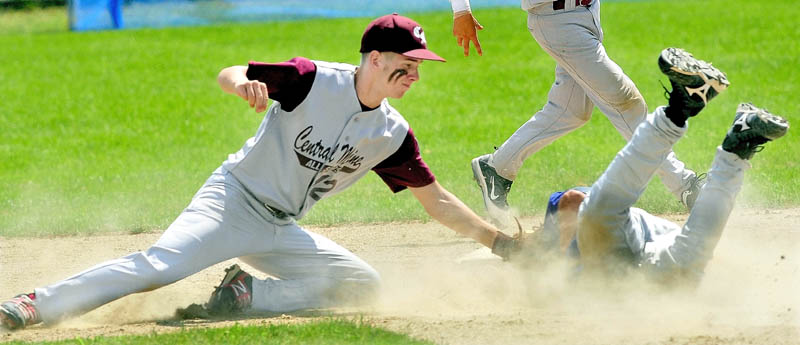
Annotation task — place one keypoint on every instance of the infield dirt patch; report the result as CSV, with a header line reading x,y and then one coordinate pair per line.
x,y
447,289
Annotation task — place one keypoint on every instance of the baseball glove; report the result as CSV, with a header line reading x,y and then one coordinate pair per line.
x,y
510,247
523,248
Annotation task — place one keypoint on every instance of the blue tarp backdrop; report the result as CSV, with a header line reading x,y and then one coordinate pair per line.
x,y
116,14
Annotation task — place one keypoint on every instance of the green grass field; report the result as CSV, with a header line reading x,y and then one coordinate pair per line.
x,y
115,131
318,333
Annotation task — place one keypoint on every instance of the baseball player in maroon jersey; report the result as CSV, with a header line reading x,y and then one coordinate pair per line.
x,y
329,124
585,77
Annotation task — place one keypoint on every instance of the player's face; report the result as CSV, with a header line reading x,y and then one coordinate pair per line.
x,y
399,72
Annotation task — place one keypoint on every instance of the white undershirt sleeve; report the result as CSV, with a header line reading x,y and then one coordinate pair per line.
x,y
460,5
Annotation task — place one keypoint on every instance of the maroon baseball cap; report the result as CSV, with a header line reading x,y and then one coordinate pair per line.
x,y
397,34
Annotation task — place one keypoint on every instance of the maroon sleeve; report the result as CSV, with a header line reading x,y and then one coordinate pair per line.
x,y
287,82
405,167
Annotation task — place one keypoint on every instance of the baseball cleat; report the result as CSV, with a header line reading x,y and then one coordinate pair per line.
x,y
234,294
494,189
753,127
689,196
694,82
19,312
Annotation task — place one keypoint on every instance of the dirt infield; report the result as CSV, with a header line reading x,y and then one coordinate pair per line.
x,y
445,288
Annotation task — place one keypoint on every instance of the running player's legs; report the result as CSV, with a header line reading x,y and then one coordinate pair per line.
x,y
605,222
216,226
574,41
567,109
312,272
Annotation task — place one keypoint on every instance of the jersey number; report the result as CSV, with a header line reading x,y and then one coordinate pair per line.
x,y
322,185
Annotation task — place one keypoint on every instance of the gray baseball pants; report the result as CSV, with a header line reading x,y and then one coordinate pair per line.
x,y
607,212
222,222
585,77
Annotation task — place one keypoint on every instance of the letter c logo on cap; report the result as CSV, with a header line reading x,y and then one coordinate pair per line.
x,y
419,34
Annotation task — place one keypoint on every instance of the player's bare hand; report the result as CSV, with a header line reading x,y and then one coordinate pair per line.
x,y
465,28
255,93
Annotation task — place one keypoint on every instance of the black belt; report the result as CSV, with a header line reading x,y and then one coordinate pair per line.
x,y
559,4
276,212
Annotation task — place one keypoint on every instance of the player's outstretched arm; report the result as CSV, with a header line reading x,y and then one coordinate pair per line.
x,y
465,26
447,209
234,80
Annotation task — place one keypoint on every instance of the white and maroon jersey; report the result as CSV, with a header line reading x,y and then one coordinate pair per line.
x,y
317,139
556,4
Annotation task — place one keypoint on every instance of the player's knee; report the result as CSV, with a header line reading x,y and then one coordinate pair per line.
x,y
633,103
362,274
371,279
628,100
360,288
580,111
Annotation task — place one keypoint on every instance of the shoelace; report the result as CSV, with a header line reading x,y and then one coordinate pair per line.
x,y
666,92
699,179
25,307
